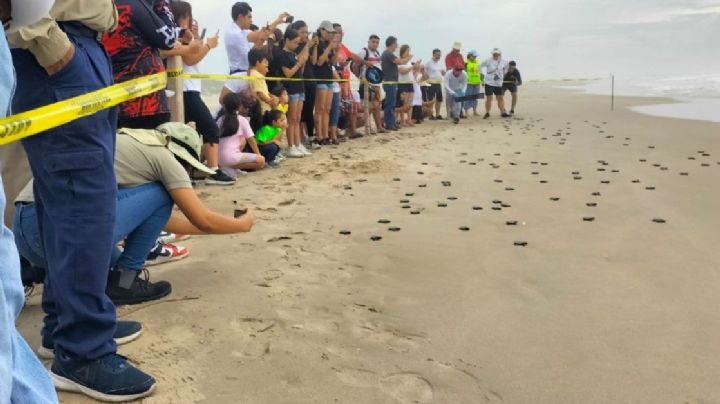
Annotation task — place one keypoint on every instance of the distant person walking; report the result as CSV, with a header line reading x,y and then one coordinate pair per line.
x,y
436,73
511,82
495,69
475,77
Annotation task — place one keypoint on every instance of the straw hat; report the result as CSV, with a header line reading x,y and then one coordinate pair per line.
x,y
457,45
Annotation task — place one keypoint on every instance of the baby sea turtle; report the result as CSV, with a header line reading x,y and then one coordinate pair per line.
x,y
345,232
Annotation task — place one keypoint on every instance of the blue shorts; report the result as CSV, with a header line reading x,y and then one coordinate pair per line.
x,y
299,97
324,86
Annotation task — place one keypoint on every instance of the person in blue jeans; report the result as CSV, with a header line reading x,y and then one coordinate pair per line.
x,y
391,73
58,58
23,379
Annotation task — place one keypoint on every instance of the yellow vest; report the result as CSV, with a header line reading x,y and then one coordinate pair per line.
x,y
473,72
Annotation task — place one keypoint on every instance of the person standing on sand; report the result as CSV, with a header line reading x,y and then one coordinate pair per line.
x,y
456,84
452,59
436,73
511,82
495,69
472,67
390,64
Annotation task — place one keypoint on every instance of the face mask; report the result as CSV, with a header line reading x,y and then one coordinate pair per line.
x,y
26,12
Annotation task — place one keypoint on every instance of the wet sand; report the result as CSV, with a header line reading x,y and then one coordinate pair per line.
x,y
620,309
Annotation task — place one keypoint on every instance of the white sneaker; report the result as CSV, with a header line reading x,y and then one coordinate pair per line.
x,y
279,157
294,152
304,150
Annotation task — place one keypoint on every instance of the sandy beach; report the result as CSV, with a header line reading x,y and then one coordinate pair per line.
x,y
612,300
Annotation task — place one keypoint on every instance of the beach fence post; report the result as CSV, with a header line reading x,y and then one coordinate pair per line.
x,y
612,93
175,84
366,105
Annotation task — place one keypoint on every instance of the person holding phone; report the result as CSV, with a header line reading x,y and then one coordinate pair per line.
x,y
195,108
239,39
323,57
495,69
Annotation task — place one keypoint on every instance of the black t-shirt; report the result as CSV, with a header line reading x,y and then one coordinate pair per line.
x,y
323,71
389,68
513,77
289,60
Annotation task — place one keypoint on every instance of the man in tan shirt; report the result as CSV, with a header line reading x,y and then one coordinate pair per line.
x,y
58,58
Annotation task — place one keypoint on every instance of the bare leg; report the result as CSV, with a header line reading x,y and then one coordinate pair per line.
x,y
514,100
488,103
210,151
501,103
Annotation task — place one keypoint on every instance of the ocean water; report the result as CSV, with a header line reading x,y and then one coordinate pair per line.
x,y
696,97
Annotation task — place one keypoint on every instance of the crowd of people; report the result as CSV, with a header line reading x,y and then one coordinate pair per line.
x,y
99,210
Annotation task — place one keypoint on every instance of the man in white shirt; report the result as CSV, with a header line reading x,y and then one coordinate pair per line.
x,y
495,69
239,39
436,72
456,85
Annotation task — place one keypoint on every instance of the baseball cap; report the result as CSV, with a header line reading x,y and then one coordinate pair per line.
x,y
327,26
182,140
474,53
26,12
496,51
457,45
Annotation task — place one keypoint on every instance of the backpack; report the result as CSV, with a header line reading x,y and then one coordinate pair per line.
x,y
356,69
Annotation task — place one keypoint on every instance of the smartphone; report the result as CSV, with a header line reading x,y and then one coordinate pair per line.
x,y
289,19
202,35
239,212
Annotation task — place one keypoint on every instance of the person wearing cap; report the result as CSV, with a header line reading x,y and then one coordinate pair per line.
x,y
150,166
472,67
23,379
454,57
323,57
58,58
456,82
511,82
495,69
239,38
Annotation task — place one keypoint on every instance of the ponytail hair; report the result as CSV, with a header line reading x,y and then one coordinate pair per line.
x,y
230,123
272,116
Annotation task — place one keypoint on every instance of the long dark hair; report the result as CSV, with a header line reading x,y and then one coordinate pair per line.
x,y
272,116
230,122
181,9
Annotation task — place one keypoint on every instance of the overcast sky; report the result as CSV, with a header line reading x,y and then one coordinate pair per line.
x,y
548,38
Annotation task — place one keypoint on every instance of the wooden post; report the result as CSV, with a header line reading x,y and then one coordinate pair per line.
x,y
175,84
366,104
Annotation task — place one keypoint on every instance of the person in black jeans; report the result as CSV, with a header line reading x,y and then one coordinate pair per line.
x,y
511,82
195,108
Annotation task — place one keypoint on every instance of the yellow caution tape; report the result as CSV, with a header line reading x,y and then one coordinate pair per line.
x,y
39,120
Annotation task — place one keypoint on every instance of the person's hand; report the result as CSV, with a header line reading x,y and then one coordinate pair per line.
x,y
187,37
60,64
281,18
274,101
303,58
192,124
196,46
314,41
195,28
248,220
212,42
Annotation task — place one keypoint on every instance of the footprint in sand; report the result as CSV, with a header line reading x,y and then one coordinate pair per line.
x,y
408,388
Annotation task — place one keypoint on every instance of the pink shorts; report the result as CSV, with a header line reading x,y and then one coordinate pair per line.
x,y
230,154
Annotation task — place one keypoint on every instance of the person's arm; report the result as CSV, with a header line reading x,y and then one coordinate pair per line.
x,y
322,59
195,58
464,82
402,61
253,145
405,70
156,25
519,78
201,220
264,33
290,72
446,84
183,50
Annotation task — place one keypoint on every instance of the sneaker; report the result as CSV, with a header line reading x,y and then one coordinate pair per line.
x,y
125,332
486,116
141,290
166,237
274,164
163,253
110,378
304,150
505,115
219,178
512,112
439,117
294,152
356,135
432,118
456,121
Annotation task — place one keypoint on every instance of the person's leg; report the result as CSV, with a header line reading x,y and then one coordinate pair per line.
x,y
292,124
501,103
269,151
76,192
488,100
328,108
390,101
308,117
23,379
252,162
320,92
334,116
514,95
